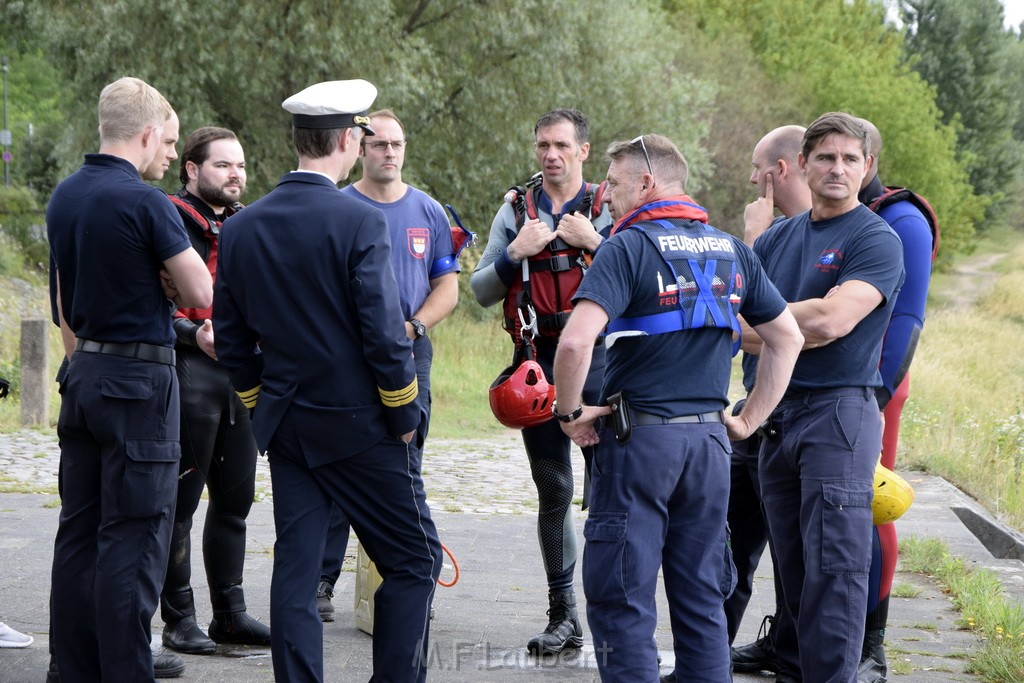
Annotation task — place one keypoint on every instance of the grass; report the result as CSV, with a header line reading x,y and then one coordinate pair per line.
x,y
965,417
905,590
469,352
984,608
10,484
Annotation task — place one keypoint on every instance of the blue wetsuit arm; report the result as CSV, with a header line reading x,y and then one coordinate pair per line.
x,y
907,317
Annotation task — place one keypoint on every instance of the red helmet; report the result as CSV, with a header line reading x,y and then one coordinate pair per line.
x,y
521,396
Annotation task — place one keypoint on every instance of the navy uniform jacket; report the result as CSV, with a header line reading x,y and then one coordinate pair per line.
x,y
307,319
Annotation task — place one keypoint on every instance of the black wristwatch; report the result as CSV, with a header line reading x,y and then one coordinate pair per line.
x,y
418,328
568,417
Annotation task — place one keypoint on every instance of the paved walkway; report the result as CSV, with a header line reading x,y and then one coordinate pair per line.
x,y
484,505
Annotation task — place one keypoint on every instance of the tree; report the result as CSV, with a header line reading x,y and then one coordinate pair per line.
x,y
468,78
961,47
847,59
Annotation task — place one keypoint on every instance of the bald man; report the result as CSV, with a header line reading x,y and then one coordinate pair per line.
x,y
781,185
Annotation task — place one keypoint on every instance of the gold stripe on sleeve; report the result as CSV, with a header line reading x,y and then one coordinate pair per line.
x,y
249,396
399,397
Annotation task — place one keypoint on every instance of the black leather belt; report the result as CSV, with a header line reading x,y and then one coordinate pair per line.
x,y
642,419
150,352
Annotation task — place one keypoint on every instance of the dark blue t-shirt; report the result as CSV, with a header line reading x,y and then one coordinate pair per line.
x,y
675,373
109,236
805,259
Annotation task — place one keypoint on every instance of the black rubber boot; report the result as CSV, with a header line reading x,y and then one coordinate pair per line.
x,y
873,667
230,623
563,631
324,593
760,654
181,632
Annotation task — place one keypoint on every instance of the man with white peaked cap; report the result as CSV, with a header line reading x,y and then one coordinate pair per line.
x,y
308,322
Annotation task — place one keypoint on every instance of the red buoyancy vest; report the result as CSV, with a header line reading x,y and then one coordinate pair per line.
x,y
555,273
899,194
211,231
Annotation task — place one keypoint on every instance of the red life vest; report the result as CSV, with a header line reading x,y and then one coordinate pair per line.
x,y
211,232
899,194
555,273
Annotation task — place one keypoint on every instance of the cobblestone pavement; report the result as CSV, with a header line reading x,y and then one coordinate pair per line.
x,y
488,475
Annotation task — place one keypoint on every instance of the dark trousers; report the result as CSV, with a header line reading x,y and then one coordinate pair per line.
x,y
659,501
218,451
337,534
747,526
816,480
118,430
380,492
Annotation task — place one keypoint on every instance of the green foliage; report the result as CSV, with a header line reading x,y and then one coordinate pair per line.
x,y
22,220
35,119
847,59
469,79
962,48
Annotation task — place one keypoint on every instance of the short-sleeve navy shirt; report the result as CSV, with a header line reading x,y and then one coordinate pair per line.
x,y
805,259
109,236
676,373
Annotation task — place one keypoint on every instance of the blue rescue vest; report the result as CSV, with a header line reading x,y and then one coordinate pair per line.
x,y
702,261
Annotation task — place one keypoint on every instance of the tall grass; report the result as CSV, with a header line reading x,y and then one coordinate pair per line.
x,y
469,352
965,416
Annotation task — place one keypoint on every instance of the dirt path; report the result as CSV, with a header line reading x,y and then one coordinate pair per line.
x,y
972,278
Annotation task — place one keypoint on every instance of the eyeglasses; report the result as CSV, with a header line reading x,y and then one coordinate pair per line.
x,y
381,145
647,157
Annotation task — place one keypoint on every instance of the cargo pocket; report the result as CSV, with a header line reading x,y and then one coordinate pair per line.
x,y
846,527
728,580
604,576
150,482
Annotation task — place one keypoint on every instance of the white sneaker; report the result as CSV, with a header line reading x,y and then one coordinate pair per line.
x,y
11,638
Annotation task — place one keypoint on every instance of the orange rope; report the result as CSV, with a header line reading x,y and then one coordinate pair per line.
x,y
455,563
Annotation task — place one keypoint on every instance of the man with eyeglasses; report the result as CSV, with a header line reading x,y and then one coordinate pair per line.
x,y
667,288
553,244
427,275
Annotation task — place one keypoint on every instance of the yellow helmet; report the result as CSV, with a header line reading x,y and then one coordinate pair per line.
x,y
893,495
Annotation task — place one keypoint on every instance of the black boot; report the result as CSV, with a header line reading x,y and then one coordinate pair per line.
x,y
873,667
760,654
230,622
324,593
181,632
563,631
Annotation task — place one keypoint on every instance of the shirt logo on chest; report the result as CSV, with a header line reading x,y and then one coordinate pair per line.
x,y
417,239
829,261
